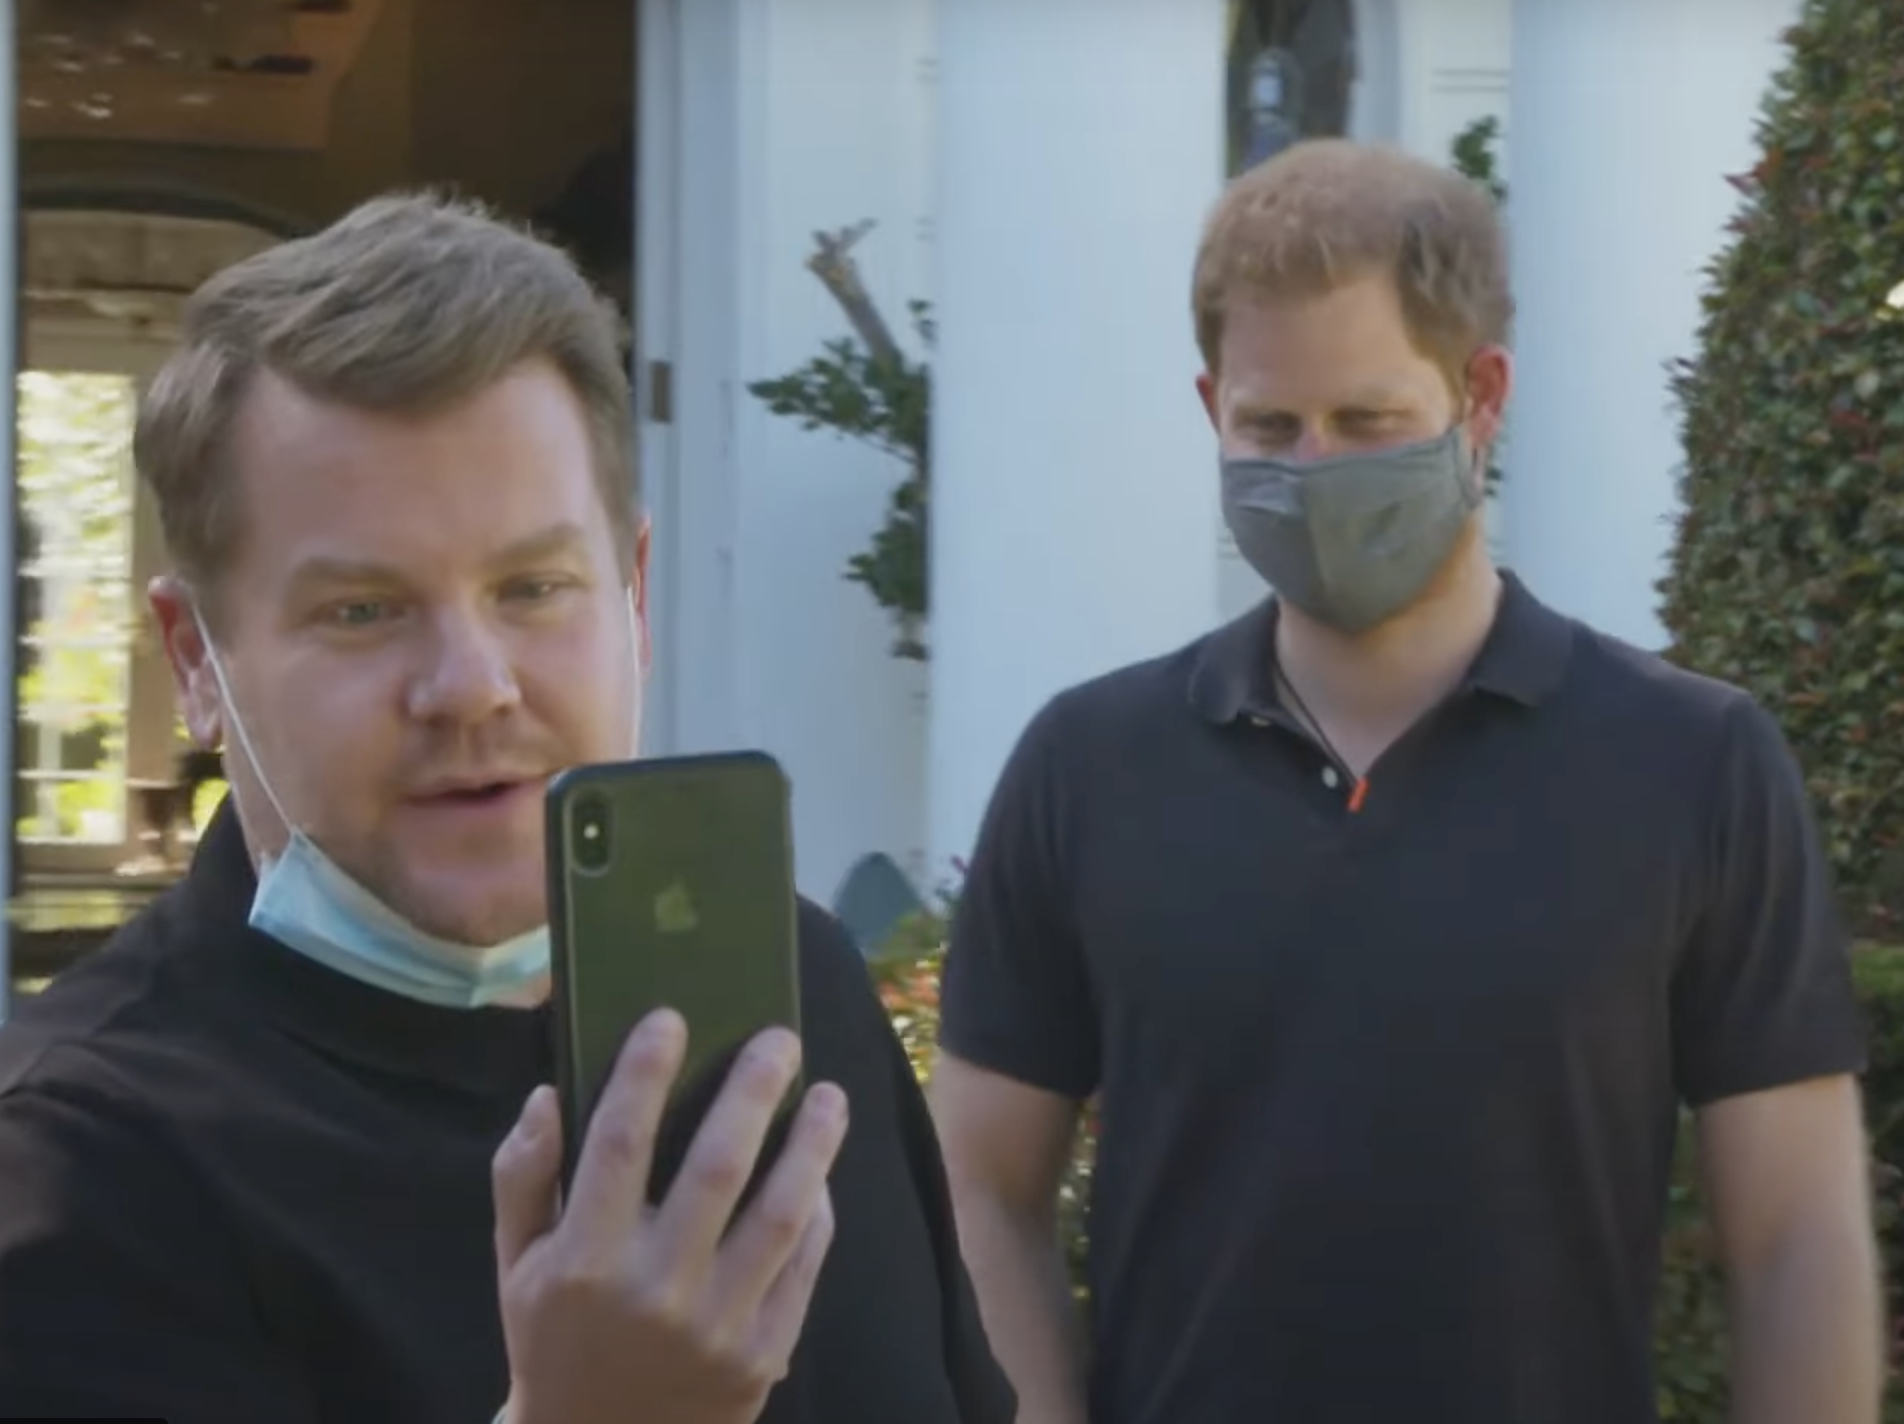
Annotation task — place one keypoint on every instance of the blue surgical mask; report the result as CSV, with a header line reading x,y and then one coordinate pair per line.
x,y
309,903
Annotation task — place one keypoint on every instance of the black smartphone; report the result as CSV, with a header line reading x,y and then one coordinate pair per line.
x,y
670,885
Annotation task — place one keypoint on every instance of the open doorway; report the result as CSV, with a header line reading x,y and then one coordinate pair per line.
x,y
103,779
156,142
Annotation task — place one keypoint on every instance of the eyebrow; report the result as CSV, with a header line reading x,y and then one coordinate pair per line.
x,y
1375,398
560,538
1369,398
1252,413
557,539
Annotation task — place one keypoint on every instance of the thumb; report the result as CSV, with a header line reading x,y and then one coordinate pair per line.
x,y
524,1176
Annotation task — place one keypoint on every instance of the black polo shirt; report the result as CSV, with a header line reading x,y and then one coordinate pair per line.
x,y
1389,1094
239,1188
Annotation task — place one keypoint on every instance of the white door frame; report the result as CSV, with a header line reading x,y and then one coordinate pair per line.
x,y
1376,99
694,305
656,353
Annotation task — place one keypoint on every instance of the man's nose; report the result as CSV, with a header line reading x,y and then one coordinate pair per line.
x,y
1315,443
468,675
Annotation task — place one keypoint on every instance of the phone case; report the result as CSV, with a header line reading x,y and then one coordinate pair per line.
x,y
670,884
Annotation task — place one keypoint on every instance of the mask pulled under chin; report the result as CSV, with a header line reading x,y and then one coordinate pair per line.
x,y
1352,540
309,903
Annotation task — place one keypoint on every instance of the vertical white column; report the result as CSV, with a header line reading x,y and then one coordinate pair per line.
x,y
657,264
1626,118
9,358
1080,143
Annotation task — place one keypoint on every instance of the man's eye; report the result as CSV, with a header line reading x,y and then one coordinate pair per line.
x,y
358,612
532,590
1274,434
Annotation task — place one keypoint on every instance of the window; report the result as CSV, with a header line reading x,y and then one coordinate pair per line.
x,y
1291,72
75,588
96,738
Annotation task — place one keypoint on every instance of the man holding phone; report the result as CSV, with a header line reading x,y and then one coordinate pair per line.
x,y
266,1156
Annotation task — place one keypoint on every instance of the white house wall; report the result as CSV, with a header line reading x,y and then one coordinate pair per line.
x,y
1628,117
791,116
1074,501
1453,68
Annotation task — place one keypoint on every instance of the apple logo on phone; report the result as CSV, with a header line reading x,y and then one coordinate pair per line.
x,y
674,911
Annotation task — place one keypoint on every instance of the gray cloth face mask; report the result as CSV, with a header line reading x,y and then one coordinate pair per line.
x,y
1352,540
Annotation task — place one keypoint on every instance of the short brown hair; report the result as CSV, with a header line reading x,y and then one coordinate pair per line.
x,y
1327,212
408,304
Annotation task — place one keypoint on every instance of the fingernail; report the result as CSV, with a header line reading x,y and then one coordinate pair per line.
x,y
543,1105
662,1026
829,1100
780,1049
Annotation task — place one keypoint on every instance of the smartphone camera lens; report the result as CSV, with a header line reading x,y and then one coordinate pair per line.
x,y
589,829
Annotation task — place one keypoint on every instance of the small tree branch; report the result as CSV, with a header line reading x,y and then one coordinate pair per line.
x,y
832,262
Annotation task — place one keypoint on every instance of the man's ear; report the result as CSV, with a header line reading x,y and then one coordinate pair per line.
x,y
1207,394
188,653
1489,380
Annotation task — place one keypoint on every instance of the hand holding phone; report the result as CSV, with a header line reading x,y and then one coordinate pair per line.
x,y
613,1311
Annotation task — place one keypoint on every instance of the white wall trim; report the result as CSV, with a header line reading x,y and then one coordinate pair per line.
x,y
657,340
1375,103
691,303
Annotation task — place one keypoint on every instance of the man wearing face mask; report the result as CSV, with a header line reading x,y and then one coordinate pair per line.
x,y
1395,923
283,1150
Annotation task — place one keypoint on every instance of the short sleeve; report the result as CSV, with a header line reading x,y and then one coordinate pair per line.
x,y
1763,994
1015,994
118,1295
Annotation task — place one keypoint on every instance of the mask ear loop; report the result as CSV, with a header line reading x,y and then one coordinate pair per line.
x,y
636,676
238,723
1477,469
1477,452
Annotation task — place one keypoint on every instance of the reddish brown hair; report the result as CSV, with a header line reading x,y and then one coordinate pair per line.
x,y
1327,212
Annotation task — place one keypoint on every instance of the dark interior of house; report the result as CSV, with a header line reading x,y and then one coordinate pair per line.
x,y
158,142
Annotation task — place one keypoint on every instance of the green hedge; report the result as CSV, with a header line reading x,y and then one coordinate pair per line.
x,y
1691,1321
1787,573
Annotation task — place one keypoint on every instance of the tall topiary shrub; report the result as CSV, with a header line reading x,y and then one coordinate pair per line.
x,y
1788,572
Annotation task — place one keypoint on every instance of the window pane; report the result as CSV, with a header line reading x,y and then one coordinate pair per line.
x,y
75,436
1291,72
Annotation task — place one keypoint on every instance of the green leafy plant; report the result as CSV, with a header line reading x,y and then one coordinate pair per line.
x,y
1787,571
866,388
1476,155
